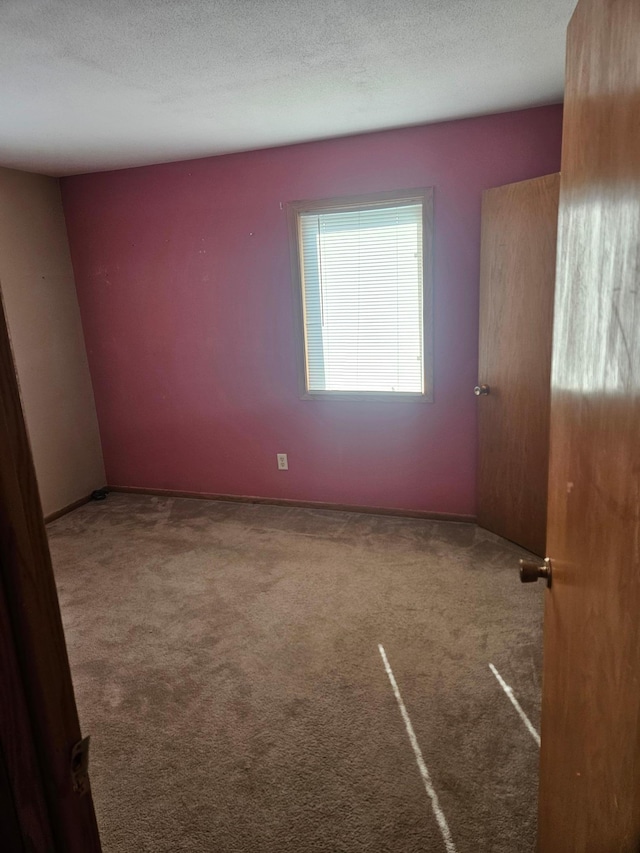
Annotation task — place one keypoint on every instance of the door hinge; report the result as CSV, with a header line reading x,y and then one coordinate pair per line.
x,y
80,766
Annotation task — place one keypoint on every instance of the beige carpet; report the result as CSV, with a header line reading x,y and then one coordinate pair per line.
x,y
226,664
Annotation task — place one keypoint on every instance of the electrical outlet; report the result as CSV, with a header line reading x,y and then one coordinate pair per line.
x,y
283,462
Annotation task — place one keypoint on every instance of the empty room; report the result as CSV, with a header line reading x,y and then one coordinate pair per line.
x,y
319,426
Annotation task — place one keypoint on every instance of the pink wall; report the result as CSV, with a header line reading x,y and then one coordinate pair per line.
x,y
185,292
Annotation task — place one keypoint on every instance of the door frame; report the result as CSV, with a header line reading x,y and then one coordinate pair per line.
x,y
39,725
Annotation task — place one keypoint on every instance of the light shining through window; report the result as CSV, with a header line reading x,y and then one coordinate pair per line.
x,y
362,290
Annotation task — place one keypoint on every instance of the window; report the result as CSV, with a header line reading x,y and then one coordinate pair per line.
x,y
362,269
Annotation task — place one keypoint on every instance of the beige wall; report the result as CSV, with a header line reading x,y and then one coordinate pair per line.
x,y
42,312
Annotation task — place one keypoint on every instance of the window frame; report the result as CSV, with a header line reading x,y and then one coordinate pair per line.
x,y
371,201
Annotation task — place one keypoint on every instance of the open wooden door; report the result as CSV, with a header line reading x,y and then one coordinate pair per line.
x,y
517,276
45,801
590,759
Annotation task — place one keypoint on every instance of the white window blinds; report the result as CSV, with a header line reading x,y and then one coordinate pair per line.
x,y
363,298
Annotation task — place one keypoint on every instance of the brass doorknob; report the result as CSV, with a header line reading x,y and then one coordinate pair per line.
x,y
481,390
531,571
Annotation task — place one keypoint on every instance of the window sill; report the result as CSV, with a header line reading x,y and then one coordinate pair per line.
x,y
368,396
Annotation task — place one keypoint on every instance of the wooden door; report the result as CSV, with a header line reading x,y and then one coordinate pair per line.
x,y
590,759
517,275
40,810
24,821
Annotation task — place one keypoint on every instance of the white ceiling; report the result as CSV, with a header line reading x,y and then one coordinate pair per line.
x,y
88,85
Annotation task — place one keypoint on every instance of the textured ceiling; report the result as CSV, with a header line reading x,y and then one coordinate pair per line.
x,y
98,84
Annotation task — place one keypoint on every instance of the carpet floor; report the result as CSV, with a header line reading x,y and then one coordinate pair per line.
x,y
226,664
